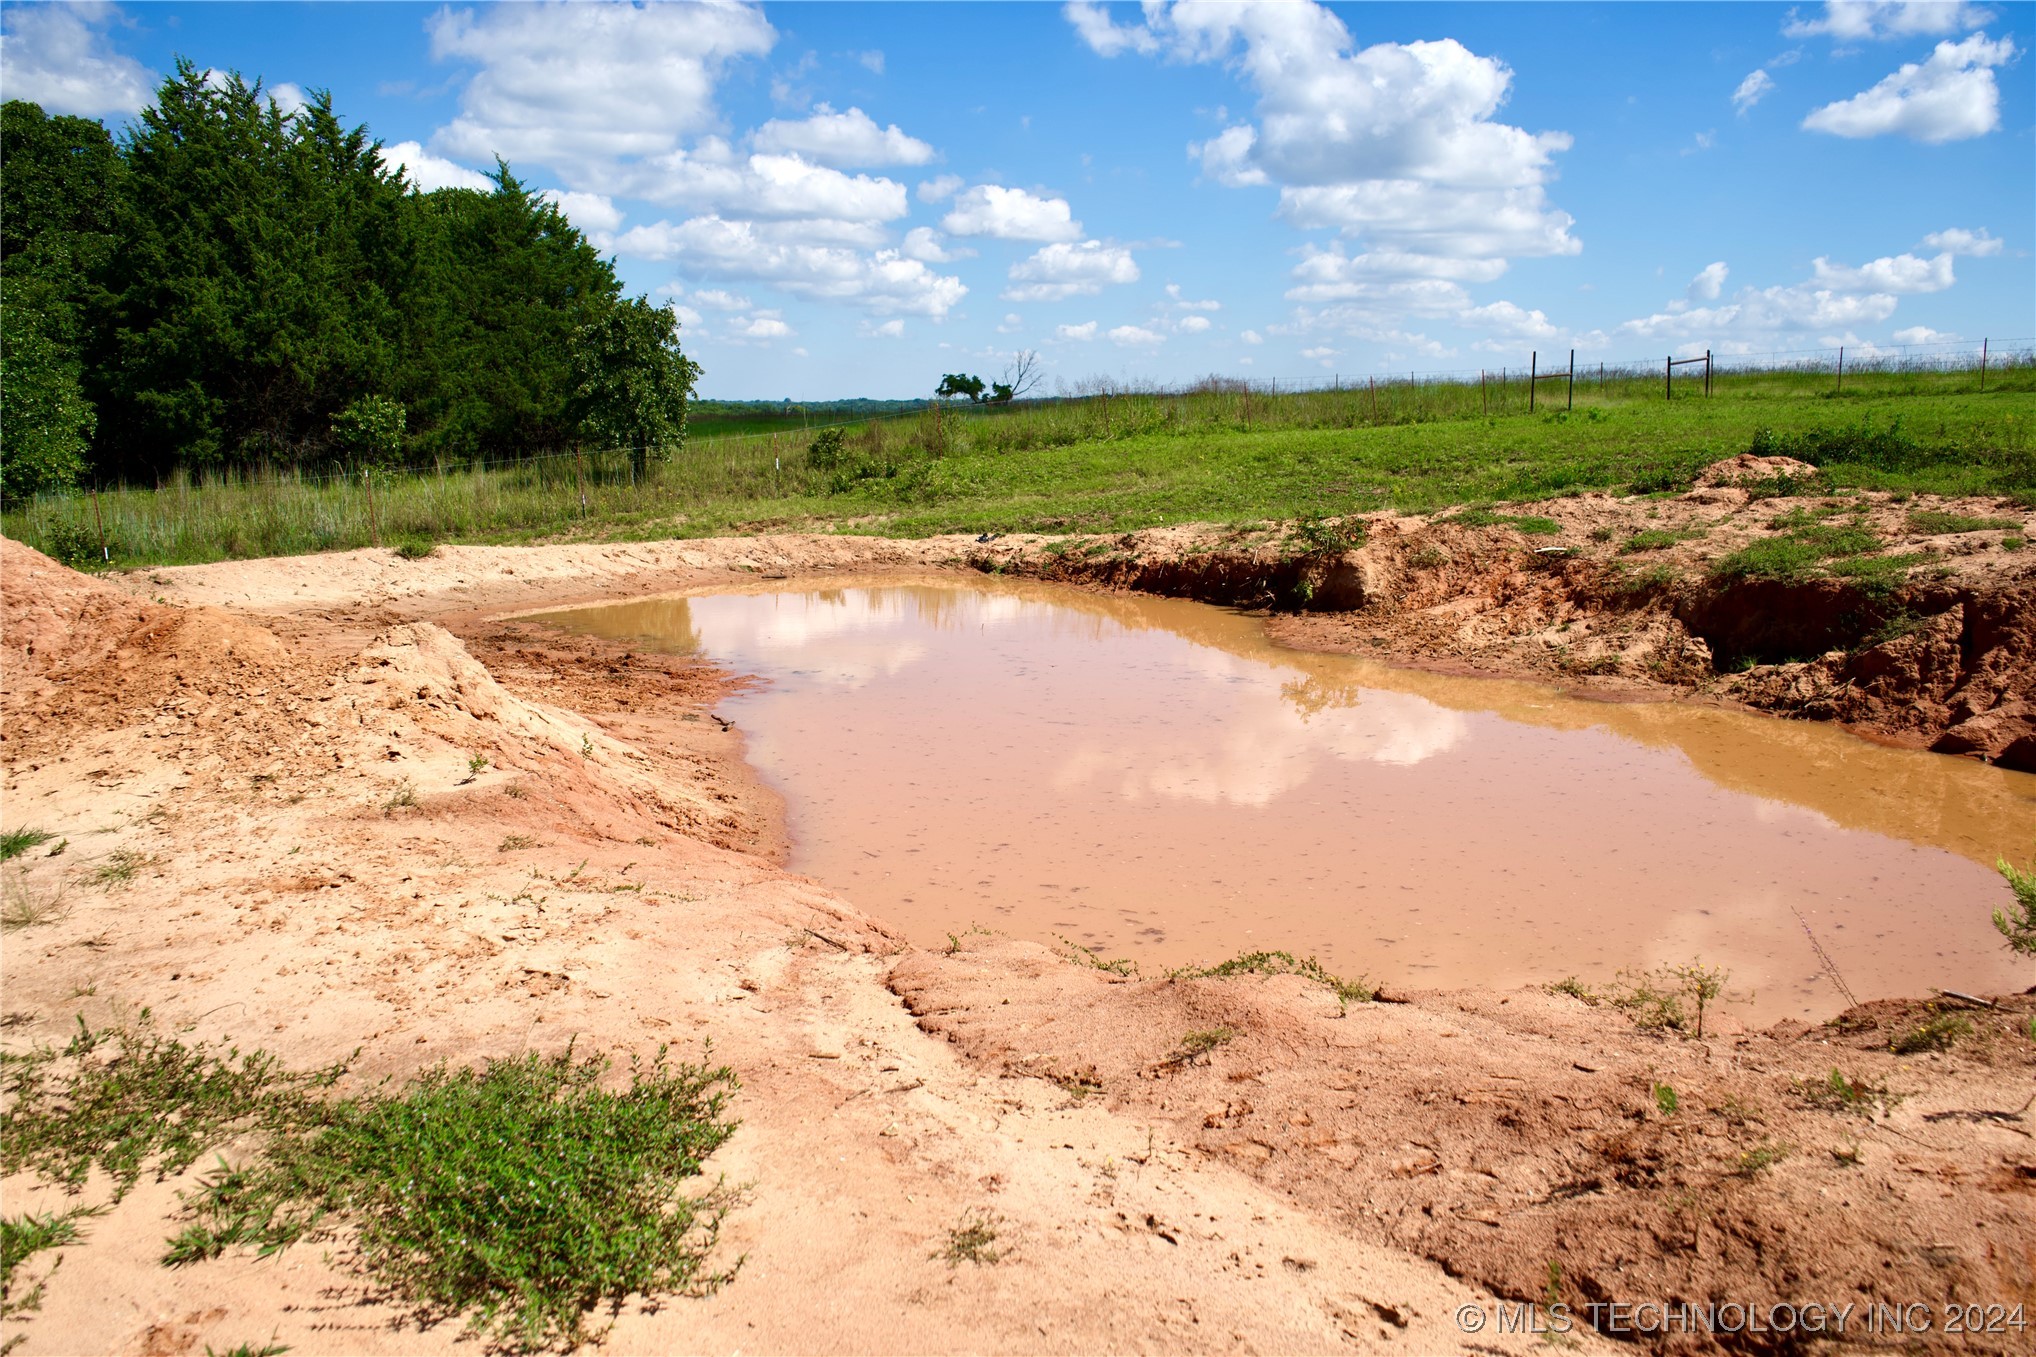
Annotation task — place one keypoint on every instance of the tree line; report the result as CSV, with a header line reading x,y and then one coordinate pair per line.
x,y
225,283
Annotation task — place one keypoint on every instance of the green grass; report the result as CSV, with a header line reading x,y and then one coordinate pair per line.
x,y
1808,548
21,1238
1101,465
1940,1033
15,842
972,1241
1938,521
523,1194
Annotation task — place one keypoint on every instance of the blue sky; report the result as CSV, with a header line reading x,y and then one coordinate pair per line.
x,y
849,199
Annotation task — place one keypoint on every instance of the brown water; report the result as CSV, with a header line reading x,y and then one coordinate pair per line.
x,y
1156,779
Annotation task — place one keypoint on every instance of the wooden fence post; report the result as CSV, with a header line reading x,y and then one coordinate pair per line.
x,y
1668,379
1533,378
1572,381
1983,366
1841,369
1373,384
100,519
374,527
1707,372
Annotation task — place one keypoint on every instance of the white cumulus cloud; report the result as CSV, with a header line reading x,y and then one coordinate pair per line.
x,y
1709,282
595,215
1192,325
1393,143
1081,333
843,140
1135,337
428,172
1751,91
940,188
60,56
884,282
1010,214
567,85
1958,240
1506,320
1949,97
1858,20
1923,334
1056,272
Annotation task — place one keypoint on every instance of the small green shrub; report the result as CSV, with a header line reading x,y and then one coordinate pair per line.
x,y
416,548
15,842
1665,1100
824,453
2018,926
1940,1033
1836,1093
1347,992
972,1241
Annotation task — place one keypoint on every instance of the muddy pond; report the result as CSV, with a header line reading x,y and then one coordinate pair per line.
x,y
1156,780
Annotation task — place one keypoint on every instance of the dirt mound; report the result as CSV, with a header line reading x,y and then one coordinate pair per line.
x,y
1501,1133
1747,467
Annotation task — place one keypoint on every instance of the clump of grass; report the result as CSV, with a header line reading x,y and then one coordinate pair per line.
x,y
1836,1093
1795,555
416,548
26,906
1481,516
1574,988
15,842
513,842
403,798
1939,1033
1665,1100
118,868
1939,521
1347,992
522,1194
972,1241
1427,557
1659,539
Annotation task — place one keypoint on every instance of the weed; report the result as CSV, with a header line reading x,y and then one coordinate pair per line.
x,y
476,765
118,868
586,745
1665,1100
954,940
1940,1033
123,1097
1195,1047
1762,1157
1082,1083
1537,527
514,842
1574,988
1428,557
1836,1093
972,1241
24,1236
1659,539
1663,999
416,548
1604,532
522,1194
1092,957
15,842
1794,556
2018,927
1736,1111
2013,543
269,1349
403,798
1318,536
516,791
1936,521
1347,992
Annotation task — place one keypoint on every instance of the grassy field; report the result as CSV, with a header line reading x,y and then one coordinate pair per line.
x,y
1109,462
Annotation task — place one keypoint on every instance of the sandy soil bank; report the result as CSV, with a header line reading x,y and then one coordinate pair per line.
x,y
282,748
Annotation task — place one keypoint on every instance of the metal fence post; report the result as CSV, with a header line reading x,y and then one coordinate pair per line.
x,y
1533,378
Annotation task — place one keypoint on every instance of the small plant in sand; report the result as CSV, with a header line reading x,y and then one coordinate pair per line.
x,y
477,764
1761,1158
1665,1100
1093,958
1939,1033
514,842
26,905
403,798
21,1238
269,1349
118,867
1836,1093
1347,992
1669,998
15,842
1574,988
972,1241
2018,925
1196,1047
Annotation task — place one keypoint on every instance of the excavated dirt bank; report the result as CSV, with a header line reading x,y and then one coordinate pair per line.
x,y
277,757
1944,658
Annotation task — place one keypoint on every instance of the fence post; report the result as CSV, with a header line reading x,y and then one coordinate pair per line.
x,y
1484,397
1572,381
1841,369
1373,384
580,475
374,527
1533,377
100,519
1983,366
1707,372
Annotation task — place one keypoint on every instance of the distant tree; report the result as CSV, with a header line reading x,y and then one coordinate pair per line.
x,y
371,431
630,380
46,419
1022,374
959,384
